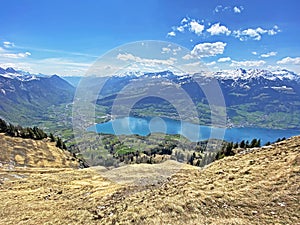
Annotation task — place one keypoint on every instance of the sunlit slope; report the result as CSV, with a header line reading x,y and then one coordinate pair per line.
x,y
258,187
19,152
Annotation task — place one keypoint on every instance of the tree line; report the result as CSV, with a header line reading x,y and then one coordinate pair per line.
x,y
34,133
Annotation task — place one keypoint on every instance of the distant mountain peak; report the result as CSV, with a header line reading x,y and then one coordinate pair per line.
x,y
10,70
243,74
11,73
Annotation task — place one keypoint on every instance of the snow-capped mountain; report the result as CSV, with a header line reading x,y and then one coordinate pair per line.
x,y
236,75
252,97
242,74
11,73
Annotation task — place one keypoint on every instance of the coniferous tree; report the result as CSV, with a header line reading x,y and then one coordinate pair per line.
x,y
253,143
228,150
236,145
52,138
247,144
242,144
3,126
11,130
30,133
59,143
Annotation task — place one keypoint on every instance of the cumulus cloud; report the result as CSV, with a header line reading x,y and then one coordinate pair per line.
x,y
196,27
171,34
237,9
167,50
254,53
216,29
289,60
208,49
220,8
250,63
255,34
269,54
180,28
225,59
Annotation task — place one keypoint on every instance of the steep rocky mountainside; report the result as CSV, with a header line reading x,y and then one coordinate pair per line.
x,y
258,186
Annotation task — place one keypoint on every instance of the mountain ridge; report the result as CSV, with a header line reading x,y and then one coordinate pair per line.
x,y
26,94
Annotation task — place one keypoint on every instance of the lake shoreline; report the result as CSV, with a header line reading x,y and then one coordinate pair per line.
x,y
144,126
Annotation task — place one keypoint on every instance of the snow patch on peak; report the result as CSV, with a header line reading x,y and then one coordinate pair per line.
x,y
242,74
11,73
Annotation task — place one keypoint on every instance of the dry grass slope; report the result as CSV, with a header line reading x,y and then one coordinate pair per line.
x,y
259,187
19,152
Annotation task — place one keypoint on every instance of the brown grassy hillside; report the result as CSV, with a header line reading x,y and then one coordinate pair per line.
x,y
19,152
258,187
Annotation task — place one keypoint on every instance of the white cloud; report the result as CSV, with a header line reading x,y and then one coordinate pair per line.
x,y
237,9
208,49
187,57
248,33
216,29
250,63
16,55
271,67
171,34
221,8
196,27
225,59
255,34
130,57
269,54
174,51
180,28
165,50
8,44
193,64
60,66
63,62
254,53
184,20
211,63
289,60
218,8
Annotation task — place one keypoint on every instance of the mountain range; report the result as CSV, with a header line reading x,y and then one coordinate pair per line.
x,y
252,97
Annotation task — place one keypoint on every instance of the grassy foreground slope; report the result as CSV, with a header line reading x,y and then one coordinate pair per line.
x,y
257,187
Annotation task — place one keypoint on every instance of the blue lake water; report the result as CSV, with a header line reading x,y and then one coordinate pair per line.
x,y
144,126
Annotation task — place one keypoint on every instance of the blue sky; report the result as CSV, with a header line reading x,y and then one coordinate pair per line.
x,y
65,37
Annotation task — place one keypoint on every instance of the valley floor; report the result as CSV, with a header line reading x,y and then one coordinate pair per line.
x,y
257,187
